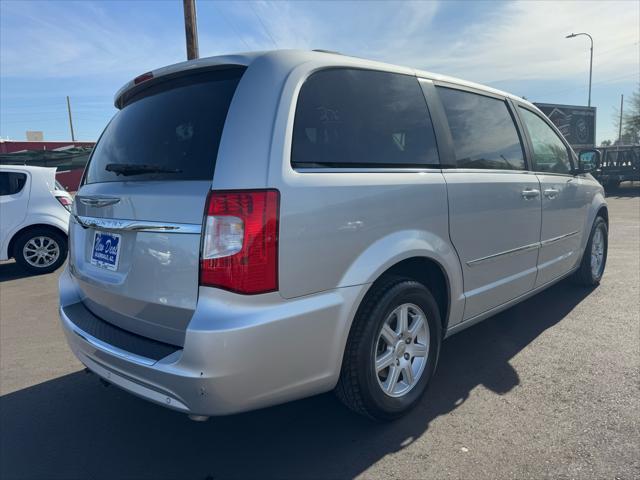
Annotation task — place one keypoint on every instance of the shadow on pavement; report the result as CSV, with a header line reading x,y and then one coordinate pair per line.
x,y
12,271
72,427
625,190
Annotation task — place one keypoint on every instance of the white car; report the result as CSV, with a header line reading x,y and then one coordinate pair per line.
x,y
34,217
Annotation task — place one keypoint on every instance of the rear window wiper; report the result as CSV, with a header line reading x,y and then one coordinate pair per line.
x,y
138,169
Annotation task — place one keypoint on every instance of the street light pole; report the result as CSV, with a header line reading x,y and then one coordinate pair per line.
x,y
572,35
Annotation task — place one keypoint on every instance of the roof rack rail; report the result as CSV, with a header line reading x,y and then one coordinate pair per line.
x,y
326,51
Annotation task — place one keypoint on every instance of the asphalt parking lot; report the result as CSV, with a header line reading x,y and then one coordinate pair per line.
x,y
549,388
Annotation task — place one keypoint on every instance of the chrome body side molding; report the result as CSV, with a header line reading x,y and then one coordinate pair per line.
x,y
525,248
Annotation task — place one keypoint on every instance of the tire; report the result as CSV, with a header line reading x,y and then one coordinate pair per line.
x,y
362,386
587,274
50,247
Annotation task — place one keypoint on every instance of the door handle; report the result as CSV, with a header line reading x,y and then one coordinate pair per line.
x,y
530,193
551,193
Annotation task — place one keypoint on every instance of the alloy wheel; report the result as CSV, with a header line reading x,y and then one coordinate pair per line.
x,y
402,350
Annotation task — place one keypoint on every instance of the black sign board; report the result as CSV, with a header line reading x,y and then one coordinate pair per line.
x,y
576,123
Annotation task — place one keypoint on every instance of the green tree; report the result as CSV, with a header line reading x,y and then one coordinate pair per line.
x,y
605,143
630,119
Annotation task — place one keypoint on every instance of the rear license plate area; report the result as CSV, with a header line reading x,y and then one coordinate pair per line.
x,y
106,250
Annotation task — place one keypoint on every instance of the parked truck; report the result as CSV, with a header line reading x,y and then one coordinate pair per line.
x,y
616,164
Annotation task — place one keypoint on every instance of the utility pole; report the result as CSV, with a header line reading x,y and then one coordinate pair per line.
x,y
191,28
620,124
73,137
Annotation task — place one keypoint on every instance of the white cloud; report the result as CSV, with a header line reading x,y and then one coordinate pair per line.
x,y
37,40
526,41
509,41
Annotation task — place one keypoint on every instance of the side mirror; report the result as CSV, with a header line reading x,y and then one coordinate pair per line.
x,y
588,160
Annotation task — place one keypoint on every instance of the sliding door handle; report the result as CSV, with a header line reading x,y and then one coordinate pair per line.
x,y
530,193
551,193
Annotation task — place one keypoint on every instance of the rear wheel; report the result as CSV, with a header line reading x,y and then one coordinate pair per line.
x,y
594,257
392,350
40,250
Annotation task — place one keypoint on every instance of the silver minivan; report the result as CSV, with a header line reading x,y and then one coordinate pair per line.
x,y
257,228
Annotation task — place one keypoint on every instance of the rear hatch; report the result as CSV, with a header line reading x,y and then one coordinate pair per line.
x,y
135,238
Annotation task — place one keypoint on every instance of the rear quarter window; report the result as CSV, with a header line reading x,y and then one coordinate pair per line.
x,y
361,118
12,182
170,131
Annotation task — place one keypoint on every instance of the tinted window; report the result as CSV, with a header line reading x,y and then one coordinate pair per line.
x,y
549,152
173,128
11,182
484,135
347,118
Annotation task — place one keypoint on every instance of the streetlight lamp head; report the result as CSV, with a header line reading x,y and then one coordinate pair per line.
x,y
571,35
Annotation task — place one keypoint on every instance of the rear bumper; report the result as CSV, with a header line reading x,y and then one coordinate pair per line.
x,y
240,352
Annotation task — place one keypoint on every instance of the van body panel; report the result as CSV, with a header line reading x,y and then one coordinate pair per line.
x,y
495,231
565,201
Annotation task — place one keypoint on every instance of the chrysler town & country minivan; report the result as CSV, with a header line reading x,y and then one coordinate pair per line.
x,y
257,228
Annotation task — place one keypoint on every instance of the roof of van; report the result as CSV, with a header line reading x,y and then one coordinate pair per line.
x,y
297,57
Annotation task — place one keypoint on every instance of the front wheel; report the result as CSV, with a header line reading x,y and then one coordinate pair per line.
x,y
40,250
594,257
392,350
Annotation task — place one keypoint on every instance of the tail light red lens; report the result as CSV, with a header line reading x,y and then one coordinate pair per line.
x,y
240,244
66,202
142,78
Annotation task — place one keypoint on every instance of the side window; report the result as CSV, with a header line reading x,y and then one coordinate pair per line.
x,y
483,131
362,118
11,182
550,154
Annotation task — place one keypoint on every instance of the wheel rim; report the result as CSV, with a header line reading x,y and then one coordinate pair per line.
x,y
402,349
597,252
41,251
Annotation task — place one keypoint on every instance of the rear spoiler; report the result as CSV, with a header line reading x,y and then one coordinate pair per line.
x,y
142,82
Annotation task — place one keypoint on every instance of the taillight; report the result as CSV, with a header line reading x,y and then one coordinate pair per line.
x,y
240,243
143,78
66,202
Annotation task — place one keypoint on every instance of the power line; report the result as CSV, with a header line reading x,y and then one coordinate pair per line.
x,y
231,24
619,47
264,27
601,82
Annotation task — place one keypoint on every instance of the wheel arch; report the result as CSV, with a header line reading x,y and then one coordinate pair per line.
x,y
427,271
35,226
603,212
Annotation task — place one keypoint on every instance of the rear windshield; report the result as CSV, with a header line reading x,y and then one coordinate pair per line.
x,y
170,131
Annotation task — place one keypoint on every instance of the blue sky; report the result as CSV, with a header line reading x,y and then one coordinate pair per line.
x,y
87,50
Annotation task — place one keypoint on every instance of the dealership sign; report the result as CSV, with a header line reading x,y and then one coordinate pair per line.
x,y
577,123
